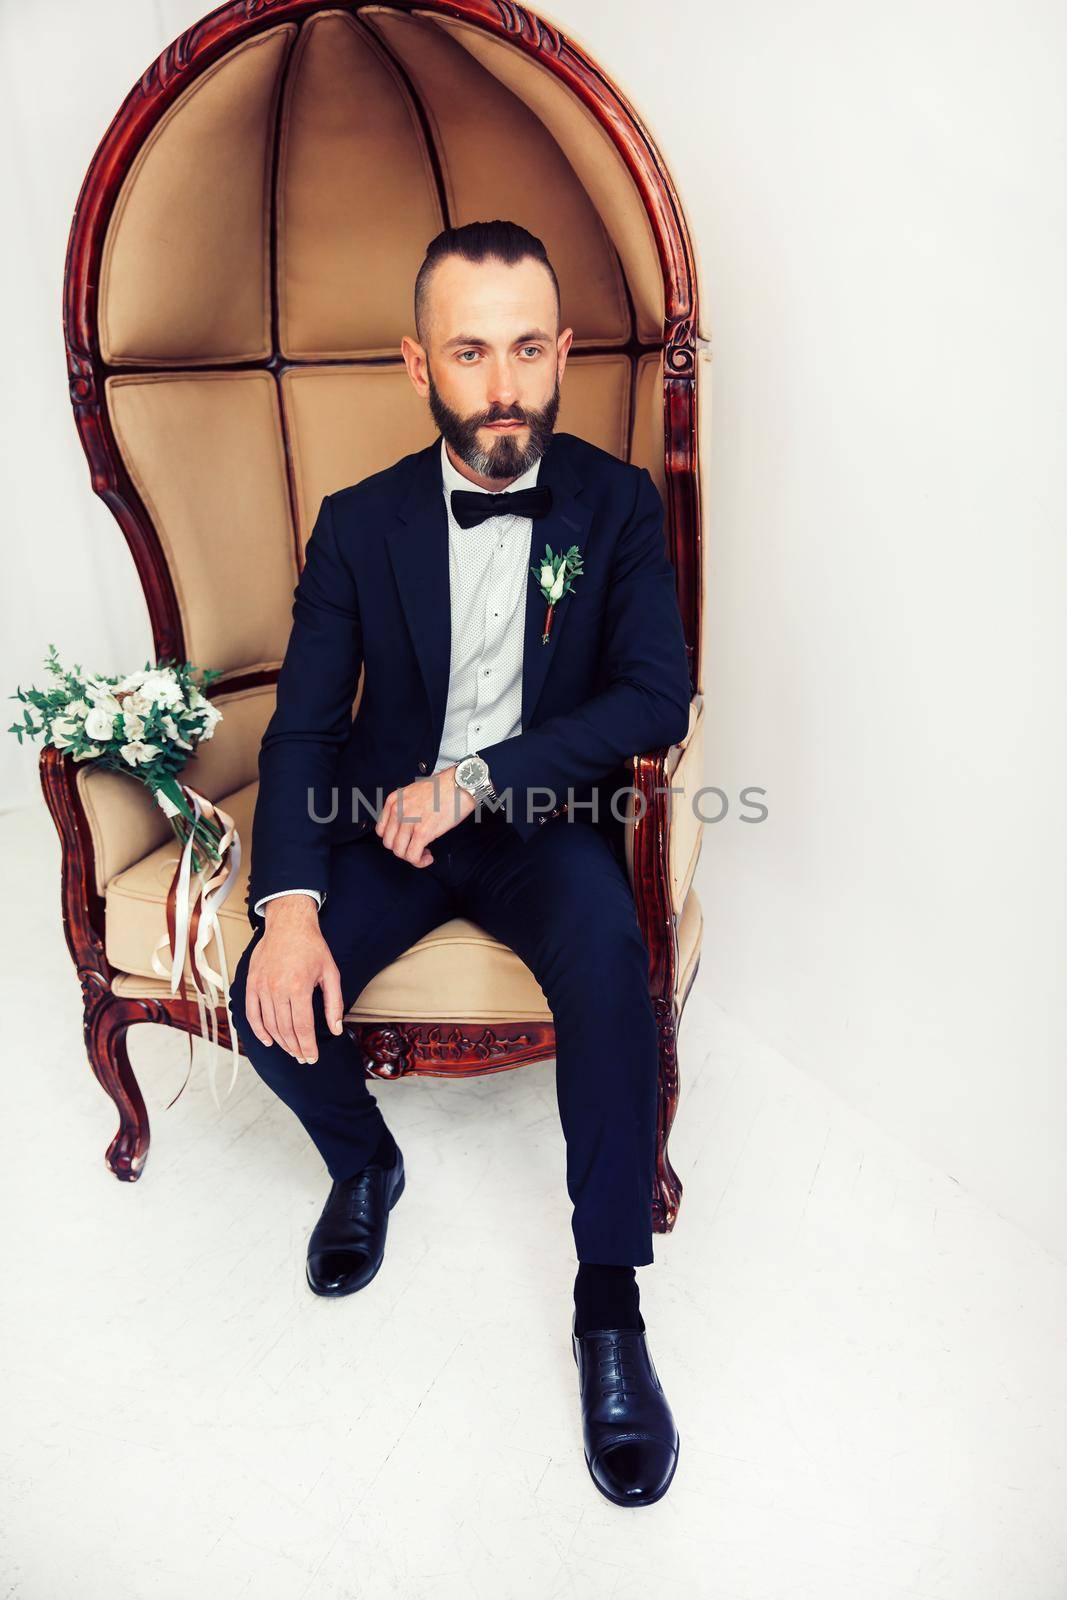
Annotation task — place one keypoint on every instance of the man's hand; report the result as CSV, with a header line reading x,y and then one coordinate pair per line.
x,y
420,812
287,965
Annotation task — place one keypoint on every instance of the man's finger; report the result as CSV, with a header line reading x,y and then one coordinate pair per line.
x,y
270,1021
284,1018
332,997
254,1017
388,828
409,810
402,843
304,1027
406,811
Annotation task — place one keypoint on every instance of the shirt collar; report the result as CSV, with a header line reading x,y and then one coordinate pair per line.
x,y
455,480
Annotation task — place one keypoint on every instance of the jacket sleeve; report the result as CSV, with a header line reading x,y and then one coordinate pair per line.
x,y
311,723
646,703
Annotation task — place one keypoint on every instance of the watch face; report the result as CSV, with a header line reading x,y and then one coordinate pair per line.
x,y
471,772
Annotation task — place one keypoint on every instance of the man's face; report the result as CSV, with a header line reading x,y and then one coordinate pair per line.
x,y
492,363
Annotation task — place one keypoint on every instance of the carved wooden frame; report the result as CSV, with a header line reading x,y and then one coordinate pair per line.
x,y
389,1051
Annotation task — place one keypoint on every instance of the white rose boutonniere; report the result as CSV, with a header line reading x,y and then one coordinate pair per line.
x,y
554,574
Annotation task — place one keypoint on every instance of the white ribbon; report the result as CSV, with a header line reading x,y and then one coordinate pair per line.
x,y
190,888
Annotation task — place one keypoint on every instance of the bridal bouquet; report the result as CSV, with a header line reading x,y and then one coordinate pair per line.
x,y
147,725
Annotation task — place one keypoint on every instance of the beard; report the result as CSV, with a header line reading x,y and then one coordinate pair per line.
x,y
505,458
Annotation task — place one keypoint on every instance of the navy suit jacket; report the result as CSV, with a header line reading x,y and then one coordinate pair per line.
x,y
612,681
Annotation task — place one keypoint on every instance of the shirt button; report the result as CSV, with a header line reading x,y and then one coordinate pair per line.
x,y
422,766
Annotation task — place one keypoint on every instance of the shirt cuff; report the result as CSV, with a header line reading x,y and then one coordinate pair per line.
x,y
258,908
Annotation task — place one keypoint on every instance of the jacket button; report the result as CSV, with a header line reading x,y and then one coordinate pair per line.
x,y
422,766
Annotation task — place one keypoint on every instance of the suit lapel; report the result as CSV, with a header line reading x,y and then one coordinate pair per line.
x,y
566,524
418,551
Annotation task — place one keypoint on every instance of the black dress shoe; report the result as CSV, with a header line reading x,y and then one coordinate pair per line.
x,y
348,1241
630,1437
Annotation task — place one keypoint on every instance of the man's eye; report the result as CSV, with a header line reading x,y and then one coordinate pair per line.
x,y
467,353
535,348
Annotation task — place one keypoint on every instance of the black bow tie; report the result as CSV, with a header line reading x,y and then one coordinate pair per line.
x,y
469,507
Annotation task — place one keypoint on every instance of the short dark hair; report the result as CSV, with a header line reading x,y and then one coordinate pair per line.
x,y
479,241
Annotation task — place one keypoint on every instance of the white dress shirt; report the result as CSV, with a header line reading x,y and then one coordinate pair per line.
x,y
487,569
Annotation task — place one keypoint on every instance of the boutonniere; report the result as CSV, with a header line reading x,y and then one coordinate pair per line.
x,y
554,574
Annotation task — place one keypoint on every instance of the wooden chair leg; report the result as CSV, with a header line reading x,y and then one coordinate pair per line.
x,y
107,1017
667,1194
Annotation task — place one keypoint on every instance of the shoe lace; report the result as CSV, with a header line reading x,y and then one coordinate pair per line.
x,y
356,1197
618,1365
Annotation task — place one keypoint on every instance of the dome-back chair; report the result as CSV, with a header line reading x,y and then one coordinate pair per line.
x,y
239,276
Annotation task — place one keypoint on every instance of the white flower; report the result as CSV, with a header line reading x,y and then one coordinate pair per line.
x,y
557,588
99,724
137,753
86,755
132,725
133,680
137,704
77,708
170,728
64,732
162,689
209,716
104,700
547,576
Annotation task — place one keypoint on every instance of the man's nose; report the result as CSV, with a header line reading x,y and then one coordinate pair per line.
x,y
503,390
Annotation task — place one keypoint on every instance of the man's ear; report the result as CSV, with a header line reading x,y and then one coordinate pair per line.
x,y
418,367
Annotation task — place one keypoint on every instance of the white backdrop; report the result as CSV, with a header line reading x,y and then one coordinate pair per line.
x,y
878,201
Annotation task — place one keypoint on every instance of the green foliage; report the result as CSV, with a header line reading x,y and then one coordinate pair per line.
x,y
146,724
573,560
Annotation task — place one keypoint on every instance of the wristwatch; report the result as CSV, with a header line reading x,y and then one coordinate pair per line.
x,y
472,774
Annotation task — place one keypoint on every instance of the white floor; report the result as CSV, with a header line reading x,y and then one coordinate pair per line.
x,y
869,1369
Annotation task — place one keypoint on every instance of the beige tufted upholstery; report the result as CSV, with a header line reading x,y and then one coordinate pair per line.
x,y
456,973
376,117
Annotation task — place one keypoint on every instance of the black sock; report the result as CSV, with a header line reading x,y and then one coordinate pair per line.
x,y
385,1150
606,1297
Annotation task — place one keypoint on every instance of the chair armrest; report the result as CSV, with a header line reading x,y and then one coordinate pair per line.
x,y
124,821
679,772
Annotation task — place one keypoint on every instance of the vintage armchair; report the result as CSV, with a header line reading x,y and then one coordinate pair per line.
x,y
238,279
